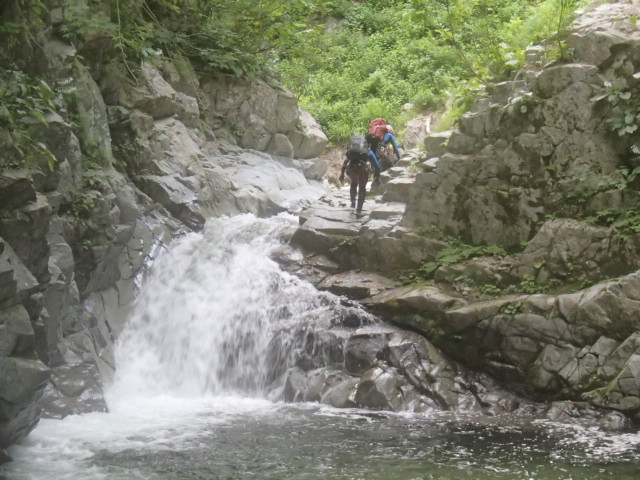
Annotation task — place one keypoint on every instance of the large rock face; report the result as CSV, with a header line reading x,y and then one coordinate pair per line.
x,y
581,345
381,367
535,142
76,234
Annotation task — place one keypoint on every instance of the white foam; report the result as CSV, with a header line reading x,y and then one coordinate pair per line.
x,y
594,442
59,448
206,318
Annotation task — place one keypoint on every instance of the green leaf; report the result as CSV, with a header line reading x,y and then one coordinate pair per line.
x,y
625,95
601,96
40,117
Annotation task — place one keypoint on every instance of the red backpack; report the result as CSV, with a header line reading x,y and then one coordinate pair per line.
x,y
378,127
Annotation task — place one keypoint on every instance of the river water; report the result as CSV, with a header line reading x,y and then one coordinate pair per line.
x,y
200,366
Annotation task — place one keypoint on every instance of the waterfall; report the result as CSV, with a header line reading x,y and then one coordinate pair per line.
x,y
217,315
216,330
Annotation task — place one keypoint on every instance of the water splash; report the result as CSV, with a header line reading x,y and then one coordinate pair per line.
x,y
211,316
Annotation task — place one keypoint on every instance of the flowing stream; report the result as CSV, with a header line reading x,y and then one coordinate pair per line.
x,y
200,367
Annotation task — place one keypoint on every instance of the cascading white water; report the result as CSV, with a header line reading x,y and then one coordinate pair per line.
x,y
205,320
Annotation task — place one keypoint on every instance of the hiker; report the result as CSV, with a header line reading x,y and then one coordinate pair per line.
x,y
356,164
380,130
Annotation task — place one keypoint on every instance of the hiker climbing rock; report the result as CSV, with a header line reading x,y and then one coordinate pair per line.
x,y
381,133
356,165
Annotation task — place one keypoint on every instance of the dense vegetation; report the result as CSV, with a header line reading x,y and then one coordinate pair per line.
x,y
348,61
383,54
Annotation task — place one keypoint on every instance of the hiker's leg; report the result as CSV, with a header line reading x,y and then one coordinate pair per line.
x,y
391,138
353,190
363,176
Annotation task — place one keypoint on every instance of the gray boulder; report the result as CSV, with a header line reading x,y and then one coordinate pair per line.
x,y
599,31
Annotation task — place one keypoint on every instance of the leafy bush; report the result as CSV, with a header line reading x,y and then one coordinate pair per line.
x,y
425,52
23,101
236,37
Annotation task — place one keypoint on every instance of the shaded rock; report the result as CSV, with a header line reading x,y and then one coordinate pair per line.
x,y
356,285
280,145
396,191
156,97
459,143
17,279
502,92
428,300
294,385
63,173
416,131
313,169
341,395
321,381
598,32
92,116
260,111
308,139
16,189
380,388
25,230
567,249
553,80
21,383
435,144
362,348
480,272
179,199
16,332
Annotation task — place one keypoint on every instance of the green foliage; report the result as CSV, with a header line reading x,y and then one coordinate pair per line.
x,y
389,53
623,107
344,242
80,206
458,252
234,37
364,19
430,231
528,285
513,308
607,384
583,186
19,23
489,289
624,222
25,100
83,18
408,277
476,29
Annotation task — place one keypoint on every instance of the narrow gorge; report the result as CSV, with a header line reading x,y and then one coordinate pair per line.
x,y
172,255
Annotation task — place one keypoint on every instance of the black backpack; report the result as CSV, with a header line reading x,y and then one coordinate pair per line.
x,y
359,145
373,141
358,151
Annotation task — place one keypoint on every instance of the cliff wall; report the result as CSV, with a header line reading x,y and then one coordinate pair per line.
x,y
102,164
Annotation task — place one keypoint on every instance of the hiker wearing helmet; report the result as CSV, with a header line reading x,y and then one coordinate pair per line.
x,y
381,131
